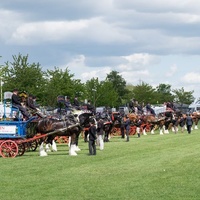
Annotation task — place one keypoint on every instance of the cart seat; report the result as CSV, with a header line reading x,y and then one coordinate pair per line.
x,y
10,111
14,112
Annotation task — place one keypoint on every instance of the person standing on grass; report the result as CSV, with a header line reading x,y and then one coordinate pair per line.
x,y
127,128
189,123
122,121
92,138
122,128
100,132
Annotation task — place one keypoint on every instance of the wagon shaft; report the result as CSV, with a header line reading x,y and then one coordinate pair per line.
x,y
62,129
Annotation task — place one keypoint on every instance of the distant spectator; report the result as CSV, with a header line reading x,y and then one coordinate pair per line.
x,y
189,123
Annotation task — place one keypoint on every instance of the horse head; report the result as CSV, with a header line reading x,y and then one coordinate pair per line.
x,y
83,117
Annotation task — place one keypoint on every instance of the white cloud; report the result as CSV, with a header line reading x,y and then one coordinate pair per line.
x,y
160,6
100,73
9,21
94,30
141,59
135,77
35,32
81,71
172,70
191,78
135,38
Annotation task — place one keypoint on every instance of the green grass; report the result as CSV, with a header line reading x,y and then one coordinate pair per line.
x,y
150,167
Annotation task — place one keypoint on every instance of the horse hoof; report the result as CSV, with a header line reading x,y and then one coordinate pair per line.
x,y
73,154
43,154
77,149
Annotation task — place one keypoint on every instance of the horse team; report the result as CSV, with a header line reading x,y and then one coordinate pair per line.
x,y
77,122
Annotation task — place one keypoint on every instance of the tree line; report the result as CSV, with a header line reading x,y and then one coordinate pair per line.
x,y
111,92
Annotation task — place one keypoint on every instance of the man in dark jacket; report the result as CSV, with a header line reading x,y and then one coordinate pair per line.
x,y
31,105
92,138
30,102
91,107
76,102
150,109
17,103
189,123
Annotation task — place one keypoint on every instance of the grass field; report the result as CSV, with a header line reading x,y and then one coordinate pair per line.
x,y
151,167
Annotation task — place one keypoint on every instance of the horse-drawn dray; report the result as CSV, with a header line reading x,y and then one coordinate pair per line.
x,y
13,138
17,135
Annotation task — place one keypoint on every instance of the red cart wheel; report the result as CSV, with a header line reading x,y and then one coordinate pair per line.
x,y
33,145
8,148
21,149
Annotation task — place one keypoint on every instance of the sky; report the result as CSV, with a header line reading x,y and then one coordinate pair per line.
x,y
145,41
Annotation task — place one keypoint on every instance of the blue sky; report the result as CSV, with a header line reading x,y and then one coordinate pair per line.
x,y
156,42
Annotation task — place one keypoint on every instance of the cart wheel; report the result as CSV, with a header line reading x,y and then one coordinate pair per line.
x,y
26,145
8,148
33,145
21,149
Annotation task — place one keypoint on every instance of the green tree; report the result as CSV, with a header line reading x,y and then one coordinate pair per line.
x,y
108,96
129,95
164,93
24,76
61,82
183,97
2,77
144,93
101,93
119,85
92,90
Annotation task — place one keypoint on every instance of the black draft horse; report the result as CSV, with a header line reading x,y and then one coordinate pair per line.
x,y
68,125
53,127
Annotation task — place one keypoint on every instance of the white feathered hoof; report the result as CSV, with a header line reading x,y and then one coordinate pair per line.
x,y
195,127
166,132
69,141
77,148
54,146
42,152
72,151
48,148
144,132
